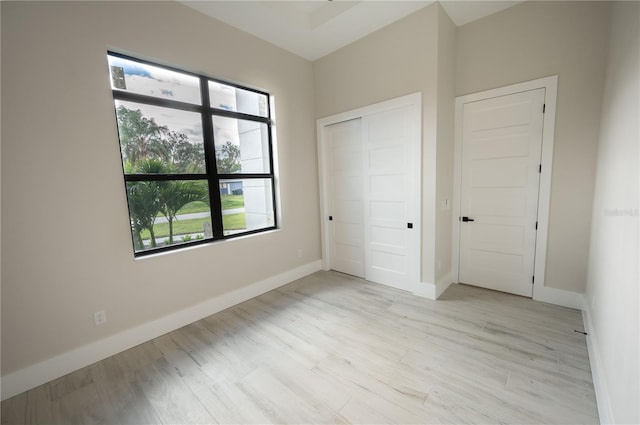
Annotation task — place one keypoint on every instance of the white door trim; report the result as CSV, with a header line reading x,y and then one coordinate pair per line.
x,y
414,99
550,84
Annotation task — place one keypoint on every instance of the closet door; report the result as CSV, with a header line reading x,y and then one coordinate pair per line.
x,y
344,142
370,159
391,197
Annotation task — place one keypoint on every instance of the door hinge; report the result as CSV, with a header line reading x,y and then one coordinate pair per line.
x,y
536,225
544,107
540,168
533,279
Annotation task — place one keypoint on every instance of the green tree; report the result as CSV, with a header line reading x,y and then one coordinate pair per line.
x,y
140,137
176,194
186,156
228,158
146,199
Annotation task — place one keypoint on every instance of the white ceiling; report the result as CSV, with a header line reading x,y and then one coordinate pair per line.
x,y
314,28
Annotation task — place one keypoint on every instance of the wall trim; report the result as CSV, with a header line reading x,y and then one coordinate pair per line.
x,y
603,400
425,290
40,373
550,84
432,291
443,284
559,297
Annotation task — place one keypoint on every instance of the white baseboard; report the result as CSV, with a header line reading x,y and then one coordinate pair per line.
x,y
433,291
425,290
599,384
40,373
443,283
558,296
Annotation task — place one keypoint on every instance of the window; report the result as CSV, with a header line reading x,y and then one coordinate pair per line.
x,y
196,153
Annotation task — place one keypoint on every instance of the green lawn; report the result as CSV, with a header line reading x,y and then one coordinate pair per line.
x,y
193,207
228,202
180,227
232,201
234,222
194,225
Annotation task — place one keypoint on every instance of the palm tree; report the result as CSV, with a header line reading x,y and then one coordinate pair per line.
x,y
146,199
143,209
176,194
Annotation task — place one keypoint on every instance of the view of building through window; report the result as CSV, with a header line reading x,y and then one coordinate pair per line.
x,y
196,155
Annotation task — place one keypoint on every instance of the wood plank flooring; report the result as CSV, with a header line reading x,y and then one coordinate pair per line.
x,y
331,348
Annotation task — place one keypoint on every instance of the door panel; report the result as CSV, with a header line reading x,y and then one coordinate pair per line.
x,y
501,147
391,168
344,141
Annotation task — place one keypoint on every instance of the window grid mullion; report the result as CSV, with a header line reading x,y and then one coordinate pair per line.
x,y
238,176
164,177
215,201
271,162
157,101
239,115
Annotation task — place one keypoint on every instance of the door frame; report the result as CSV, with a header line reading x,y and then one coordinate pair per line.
x,y
415,100
550,84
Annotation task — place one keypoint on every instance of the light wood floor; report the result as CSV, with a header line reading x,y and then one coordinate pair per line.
x,y
330,348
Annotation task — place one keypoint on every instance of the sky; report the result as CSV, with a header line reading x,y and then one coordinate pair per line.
x,y
158,82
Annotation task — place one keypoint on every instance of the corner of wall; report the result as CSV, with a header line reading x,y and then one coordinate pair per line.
x,y
603,400
445,117
557,296
433,291
443,284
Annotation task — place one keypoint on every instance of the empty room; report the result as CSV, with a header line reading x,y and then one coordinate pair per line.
x,y
320,212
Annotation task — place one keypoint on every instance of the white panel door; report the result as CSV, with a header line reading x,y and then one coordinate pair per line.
x,y
501,148
391,197
344,142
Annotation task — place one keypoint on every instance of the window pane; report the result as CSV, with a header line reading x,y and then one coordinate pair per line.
x,y
136,77
234,99
241,146
157,140
247,204
168,212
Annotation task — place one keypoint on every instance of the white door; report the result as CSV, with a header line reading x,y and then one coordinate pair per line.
x,y
344,167
372,188
501,148
392,196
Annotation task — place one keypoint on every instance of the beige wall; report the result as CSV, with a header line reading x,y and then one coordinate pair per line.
x,y
445,140
66,243
399,59
533,40
612,288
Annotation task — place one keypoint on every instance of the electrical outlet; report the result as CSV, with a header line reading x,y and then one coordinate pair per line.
x,y
444,205
100,317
